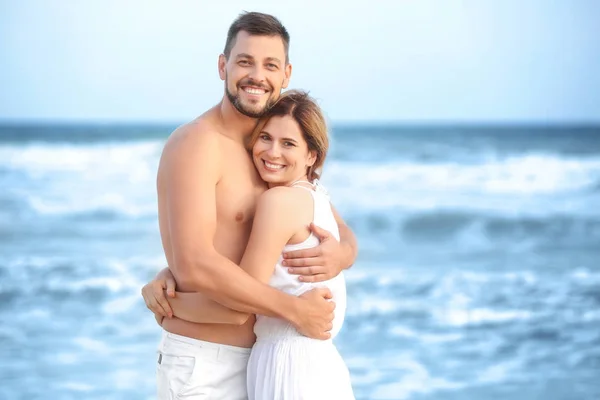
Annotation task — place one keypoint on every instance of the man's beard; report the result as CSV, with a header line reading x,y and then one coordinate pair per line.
x,y
244,110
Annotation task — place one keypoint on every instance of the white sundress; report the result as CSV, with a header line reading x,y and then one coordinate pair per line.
x,y
285,365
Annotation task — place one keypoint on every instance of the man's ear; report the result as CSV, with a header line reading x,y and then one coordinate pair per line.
x,y
222,67
288,76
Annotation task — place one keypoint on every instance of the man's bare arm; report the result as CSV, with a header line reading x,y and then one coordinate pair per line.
x,y
347,240
191,163
273,226
326,260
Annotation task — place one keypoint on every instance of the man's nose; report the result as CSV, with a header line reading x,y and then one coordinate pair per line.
x,y
257,74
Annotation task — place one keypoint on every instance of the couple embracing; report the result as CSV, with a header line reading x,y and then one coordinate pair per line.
x,y
254,247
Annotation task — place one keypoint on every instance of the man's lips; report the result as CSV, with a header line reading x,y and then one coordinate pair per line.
x,y
253,90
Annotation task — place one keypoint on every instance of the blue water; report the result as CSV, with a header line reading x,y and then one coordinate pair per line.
x,y
478,275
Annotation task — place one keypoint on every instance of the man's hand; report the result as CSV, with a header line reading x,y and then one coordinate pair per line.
x,y
316,264
154,295
315,317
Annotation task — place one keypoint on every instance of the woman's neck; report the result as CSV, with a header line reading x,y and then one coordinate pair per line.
x,y
290,183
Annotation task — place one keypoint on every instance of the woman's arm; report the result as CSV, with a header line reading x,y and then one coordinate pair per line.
x,y
195,307
160,297
280,213
328,259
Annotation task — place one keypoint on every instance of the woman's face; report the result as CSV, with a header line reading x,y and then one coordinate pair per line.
x,y
280,153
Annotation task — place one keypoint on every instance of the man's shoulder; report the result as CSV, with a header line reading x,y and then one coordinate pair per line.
x,y
197,136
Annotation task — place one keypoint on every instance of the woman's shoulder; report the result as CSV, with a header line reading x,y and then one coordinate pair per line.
x,y
285,199
284,207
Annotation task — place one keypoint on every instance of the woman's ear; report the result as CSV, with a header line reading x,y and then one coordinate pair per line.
x,y
312,158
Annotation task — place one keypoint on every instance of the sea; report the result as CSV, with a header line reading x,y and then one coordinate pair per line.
x,y
478,275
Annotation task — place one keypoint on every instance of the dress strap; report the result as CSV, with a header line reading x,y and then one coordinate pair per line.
x,y
315,186
300,182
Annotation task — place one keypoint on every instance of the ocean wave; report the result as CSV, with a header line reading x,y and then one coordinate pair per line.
x,y
102,207
65,179
474,230
527,184
82,134
406,332
435,226
458,299
98,158
62,179
62,277
414,378
481,316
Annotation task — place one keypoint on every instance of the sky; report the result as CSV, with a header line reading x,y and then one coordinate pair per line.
x,y
368,61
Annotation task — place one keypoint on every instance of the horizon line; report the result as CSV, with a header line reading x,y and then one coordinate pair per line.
x,y
338,123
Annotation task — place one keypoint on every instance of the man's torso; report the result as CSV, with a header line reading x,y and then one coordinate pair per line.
x,y
236,196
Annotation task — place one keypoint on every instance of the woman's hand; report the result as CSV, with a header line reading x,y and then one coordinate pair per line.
x,y
154,295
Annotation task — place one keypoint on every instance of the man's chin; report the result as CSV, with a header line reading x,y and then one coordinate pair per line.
x,y
253,112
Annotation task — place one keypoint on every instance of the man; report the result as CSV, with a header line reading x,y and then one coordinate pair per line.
x,y
207,191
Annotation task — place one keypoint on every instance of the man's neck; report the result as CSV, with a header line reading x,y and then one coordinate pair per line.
x,y
237,125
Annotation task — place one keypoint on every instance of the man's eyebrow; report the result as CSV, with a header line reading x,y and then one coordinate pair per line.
x,y
274,59
244,55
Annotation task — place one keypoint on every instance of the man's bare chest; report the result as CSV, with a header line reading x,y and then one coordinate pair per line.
x,y
237,195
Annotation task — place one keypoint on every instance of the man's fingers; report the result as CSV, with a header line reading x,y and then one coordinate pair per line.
x,y
316,261
303,253
296,262
319,232
313,270
314,278
159,319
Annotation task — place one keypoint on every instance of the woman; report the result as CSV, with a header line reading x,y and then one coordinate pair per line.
x,y
288,146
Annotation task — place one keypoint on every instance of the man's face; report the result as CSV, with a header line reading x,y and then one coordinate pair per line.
x,y
255,73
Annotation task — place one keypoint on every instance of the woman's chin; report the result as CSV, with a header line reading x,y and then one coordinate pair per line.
x,y
273,183
270,177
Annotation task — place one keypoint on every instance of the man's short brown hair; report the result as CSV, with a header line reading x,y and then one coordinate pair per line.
x,y
257,24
